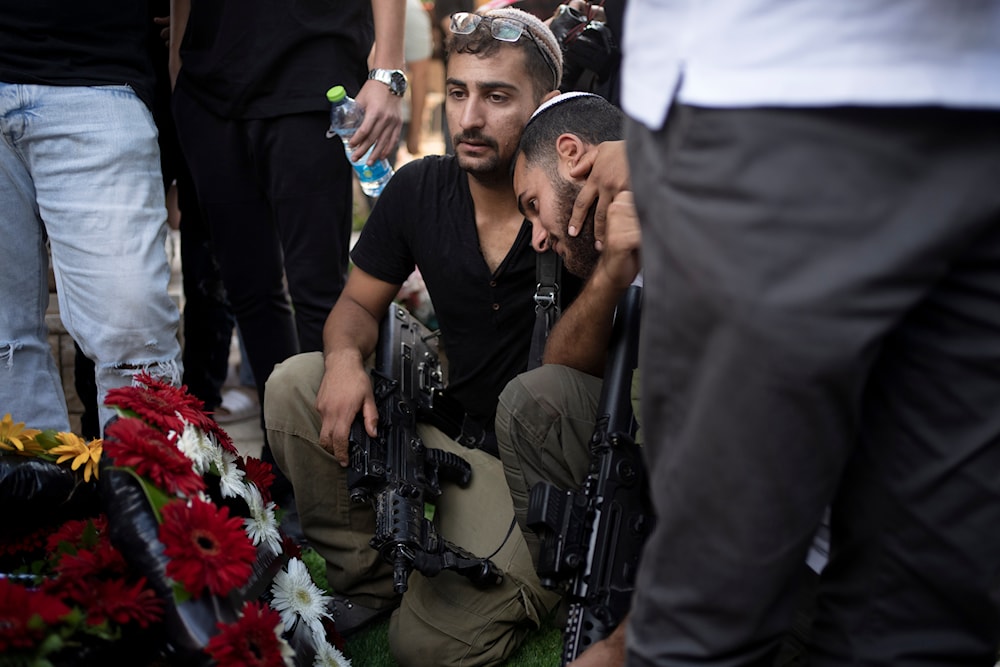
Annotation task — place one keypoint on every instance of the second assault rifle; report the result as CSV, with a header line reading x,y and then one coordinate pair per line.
x,y
395,471
591,539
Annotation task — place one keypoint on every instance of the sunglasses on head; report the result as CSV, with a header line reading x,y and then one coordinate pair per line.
x,y
503,29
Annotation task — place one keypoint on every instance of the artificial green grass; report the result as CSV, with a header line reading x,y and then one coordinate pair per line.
x,y
370,647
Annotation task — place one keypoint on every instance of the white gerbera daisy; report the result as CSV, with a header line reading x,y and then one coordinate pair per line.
x,y
198,447
327,655
295,596
231,483
262,524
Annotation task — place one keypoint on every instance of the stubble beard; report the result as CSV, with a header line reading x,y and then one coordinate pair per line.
x,y
488,169
579,254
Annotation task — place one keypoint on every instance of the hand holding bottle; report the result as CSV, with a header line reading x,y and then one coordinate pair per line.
x,y
346,116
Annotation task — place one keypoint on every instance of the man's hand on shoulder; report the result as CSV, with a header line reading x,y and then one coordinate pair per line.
x,y
606,170
345,391
580,338
620,260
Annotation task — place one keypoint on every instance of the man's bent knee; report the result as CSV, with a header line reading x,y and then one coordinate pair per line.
x,y
292,383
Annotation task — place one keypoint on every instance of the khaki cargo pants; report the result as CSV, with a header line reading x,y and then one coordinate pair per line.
x,y
443,620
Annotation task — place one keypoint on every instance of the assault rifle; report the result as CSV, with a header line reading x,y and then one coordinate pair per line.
x,y
395,471
591,539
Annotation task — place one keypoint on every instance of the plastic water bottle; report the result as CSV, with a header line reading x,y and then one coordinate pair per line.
x,y
345,119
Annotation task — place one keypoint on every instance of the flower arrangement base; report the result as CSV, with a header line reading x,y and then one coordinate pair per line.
x,y
35,493
176,558
187,625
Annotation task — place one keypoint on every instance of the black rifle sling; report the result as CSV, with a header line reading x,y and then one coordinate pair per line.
x,y
548,266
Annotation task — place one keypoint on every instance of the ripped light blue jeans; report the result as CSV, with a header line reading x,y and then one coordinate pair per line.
x,y
79,167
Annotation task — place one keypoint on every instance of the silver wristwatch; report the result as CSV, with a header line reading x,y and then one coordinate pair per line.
x,y
394,78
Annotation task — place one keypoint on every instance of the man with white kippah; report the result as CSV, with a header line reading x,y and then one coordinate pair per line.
x,y
817,187
456,217
546,416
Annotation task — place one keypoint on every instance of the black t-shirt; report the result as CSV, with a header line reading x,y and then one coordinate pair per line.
x,y
82,43
264,58
425,217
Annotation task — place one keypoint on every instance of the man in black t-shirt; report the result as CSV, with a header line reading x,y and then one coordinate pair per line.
x,y
456,218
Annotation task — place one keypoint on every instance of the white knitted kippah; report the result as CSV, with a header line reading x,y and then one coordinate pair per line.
x,y
543,36
559,99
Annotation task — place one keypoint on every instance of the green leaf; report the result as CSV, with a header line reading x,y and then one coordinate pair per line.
x,y
181,594
90,537
125,413
47,439
104,630
74,617
155,496
51,644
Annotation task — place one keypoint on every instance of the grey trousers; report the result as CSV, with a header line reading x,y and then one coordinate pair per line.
x,y
821,326
443,620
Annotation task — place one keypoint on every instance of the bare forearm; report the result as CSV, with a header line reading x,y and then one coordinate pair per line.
x,y
418,100
389,17
349,329
179,12
580,337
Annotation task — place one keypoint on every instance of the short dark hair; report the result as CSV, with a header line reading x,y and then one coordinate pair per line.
x,y
590,117
480,42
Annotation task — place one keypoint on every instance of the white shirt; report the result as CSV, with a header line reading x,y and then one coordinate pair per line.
x,y
802,53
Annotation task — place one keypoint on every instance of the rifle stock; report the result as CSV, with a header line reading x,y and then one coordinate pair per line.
x,y
591,539
395,471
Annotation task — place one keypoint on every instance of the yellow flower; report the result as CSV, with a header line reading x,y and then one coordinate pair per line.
x,y
16,438
86,454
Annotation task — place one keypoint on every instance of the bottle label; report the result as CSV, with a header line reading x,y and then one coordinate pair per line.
x,y
375,172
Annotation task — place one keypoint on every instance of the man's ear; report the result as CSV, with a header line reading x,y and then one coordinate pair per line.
x,y
569,149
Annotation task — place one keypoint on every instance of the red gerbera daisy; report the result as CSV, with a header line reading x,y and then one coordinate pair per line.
x,y
222,437
252,641
78,572
290,547
77,533
207,548
122,603
18,606
161,404
261,475
134,444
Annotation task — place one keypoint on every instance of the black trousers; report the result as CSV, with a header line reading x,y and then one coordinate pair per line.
x,y
277,196
208,318
821,327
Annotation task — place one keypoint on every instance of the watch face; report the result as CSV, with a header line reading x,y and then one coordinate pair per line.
x,y
398,85
395,79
